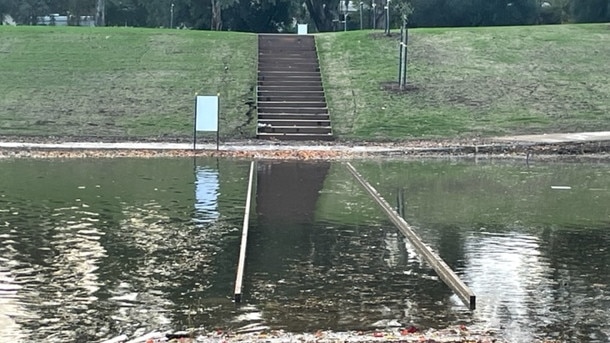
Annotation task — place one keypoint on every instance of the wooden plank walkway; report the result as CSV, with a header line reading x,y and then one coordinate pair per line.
x,y
442,269
244,239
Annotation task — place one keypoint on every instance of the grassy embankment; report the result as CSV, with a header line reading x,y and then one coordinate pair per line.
x,y
121,82
469,81
140,83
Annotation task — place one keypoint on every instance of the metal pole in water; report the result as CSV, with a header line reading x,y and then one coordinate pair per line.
x,y
244,239
441,268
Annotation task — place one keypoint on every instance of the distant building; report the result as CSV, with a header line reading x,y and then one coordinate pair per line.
x,y
352,7
64,20
7,20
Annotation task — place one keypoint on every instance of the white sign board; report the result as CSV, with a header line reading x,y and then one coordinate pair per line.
x,y
302,29
206,113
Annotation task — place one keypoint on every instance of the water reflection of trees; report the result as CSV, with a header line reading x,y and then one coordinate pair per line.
x,y
480,218
103,247
137,253
580,265
56,252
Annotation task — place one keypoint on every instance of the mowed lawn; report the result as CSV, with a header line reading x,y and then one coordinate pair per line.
x,y
469,82
131,83
122,82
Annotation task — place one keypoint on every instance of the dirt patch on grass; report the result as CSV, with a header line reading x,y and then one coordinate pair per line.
x,y
383,35
394,87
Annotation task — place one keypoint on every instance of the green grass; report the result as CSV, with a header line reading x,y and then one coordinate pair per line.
x,y
469,82
122,82
141,83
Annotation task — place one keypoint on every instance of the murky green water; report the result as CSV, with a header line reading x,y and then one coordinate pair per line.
x,y
90,249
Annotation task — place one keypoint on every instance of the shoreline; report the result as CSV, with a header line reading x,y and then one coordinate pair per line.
x,y
42,148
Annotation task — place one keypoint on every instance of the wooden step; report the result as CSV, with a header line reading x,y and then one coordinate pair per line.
x,y
287,62
291,104
288,77
294,129
293,116
268,49
291,98
286,43
291,88
288,58
300,55
283,37
295,122
282,91
296,136
267,63
288,68
291,73
289,83
293,67
296,91
307,110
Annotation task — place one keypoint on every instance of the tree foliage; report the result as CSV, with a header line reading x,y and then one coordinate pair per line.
x,y
323,15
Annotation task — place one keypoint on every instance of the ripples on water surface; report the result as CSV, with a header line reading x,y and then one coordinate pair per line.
x,y
90,249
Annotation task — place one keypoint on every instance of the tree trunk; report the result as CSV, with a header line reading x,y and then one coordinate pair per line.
x,y
321,14
216,16
100,13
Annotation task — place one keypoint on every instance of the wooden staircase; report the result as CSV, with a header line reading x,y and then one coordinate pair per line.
x,y
290,96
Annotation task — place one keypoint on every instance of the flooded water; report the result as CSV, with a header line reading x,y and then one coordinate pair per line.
x,y
90,249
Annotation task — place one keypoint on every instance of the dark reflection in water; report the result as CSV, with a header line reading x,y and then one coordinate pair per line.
x,y
90,249
289,190
308,273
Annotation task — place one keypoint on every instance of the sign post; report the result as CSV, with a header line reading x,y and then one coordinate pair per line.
x,y
206,117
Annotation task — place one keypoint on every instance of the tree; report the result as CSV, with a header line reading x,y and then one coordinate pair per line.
x,y
401,11
125,13
217,7
5,8
197,14
100,13
590,11
429,13
28,11
75,9
261,16
322,12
